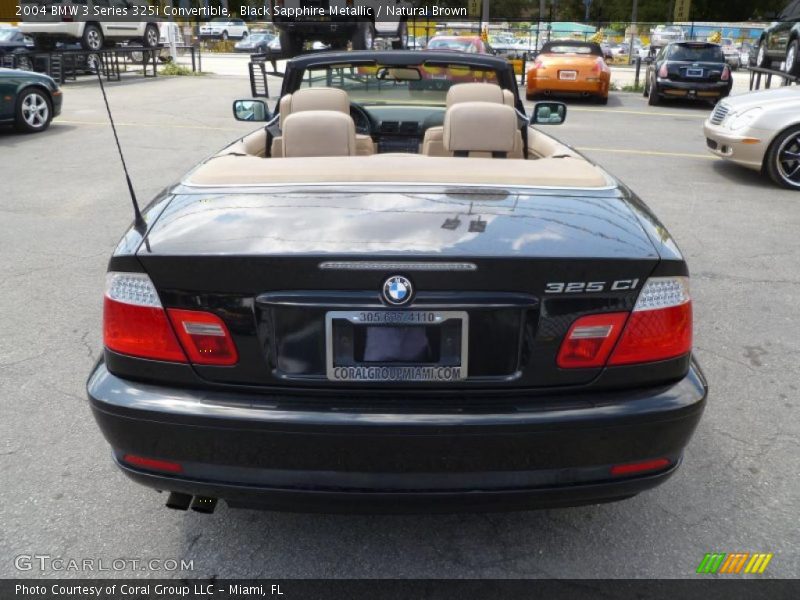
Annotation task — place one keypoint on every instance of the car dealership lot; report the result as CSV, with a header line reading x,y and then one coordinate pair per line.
x,y
64,204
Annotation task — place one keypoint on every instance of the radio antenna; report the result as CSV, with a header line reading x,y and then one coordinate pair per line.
x,y
138,220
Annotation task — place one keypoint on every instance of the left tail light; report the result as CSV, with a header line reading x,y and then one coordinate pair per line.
x,y
663,73
136,324
726,74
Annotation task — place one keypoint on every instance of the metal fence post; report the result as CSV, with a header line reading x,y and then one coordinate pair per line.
x,y
638,70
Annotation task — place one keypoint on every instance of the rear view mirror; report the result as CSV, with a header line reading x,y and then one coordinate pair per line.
x,y
398,74
250,110
549,113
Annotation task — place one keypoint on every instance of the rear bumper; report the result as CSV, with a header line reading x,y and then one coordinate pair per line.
x,y
698,89
271,452
582,86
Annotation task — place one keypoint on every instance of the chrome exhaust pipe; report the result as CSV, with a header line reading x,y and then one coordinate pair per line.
x,y
178,501
204,504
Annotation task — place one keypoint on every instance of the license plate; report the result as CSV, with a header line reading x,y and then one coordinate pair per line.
x,y
694,72
396,345
568,75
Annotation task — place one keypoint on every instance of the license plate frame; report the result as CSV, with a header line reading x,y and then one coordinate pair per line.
x,y
695,73
568,75
396,372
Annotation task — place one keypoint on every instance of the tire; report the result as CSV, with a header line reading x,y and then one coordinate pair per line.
x,y
34,110
793,58
530,97
291,45
363,37
653,97
43,44
785,172
245,35
24,62
92,38
602,100
151,36
762,60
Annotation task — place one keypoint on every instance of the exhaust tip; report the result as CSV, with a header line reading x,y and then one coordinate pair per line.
x,y
204,504
178,501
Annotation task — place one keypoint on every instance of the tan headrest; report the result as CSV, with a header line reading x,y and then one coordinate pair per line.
x,y
319,133
474,92
508,98
480,127
319,98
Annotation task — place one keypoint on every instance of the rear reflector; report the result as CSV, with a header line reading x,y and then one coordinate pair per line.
x,y
640,467
152,464
134,322
590,340
660,326
204,336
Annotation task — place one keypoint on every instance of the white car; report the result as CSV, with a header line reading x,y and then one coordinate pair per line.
x,y
223,28
662,35
760,131
48,22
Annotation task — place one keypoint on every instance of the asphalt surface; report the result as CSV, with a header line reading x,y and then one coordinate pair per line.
x,y
64,205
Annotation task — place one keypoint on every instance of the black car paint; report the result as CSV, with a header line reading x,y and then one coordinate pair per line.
x,y
522,434
776,38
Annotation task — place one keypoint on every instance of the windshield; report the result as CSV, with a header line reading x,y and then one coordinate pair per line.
x,y
364,87
260,37
7,34
571,50
696,53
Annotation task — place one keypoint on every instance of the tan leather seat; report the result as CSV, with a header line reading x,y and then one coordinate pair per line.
x,y
480,129
317,99
433,142
318,133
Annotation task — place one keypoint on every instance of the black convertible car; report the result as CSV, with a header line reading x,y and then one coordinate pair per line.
x,y
394,298
692,70
780,42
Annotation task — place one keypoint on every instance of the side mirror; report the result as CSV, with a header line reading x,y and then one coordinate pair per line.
x,y
549,113
250,110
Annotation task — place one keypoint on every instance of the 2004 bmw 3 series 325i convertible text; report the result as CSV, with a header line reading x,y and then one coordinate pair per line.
x,y
397,295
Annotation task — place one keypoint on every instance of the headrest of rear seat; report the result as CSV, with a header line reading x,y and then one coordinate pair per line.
x,y
474,92
480,127
319,133
318,98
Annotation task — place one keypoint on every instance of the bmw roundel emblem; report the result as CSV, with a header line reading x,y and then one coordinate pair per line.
x,y
397,290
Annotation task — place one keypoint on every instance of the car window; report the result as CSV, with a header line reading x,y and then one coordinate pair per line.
x,y
454,44
696,53
570,50
363,86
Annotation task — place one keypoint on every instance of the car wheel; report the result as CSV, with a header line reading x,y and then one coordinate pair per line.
x,y
93,63
793,58
783,159
92,37
762,60
364,37
151,36
603,100
34,110
224,36
653,97
24,62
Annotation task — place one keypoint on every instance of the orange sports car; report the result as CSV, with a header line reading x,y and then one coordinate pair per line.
x,y
567,67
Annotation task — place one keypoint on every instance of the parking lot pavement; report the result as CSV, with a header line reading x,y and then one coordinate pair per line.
x,y
64,205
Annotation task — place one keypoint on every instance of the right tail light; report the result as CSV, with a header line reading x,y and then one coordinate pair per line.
x,y
658,328
660,325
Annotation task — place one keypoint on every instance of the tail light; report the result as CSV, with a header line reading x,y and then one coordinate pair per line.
x,y
538,64
663,72
636,468
152,464
726,74
598,66
590,340
660,326
204,336
135,323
